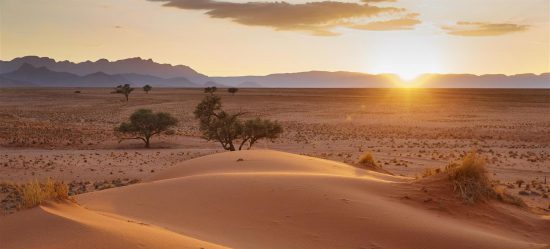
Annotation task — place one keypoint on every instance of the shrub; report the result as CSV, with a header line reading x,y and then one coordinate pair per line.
x,y
35,193
470,178
367,161
431,172
510,199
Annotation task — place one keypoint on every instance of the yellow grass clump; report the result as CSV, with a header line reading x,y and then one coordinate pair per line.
x,y
470,178
35,193
367,161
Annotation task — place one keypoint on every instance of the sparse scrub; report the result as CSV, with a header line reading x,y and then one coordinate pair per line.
x,y
510,199
470,178
431,172
367,161
35,193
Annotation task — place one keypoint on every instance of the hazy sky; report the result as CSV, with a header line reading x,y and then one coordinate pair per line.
x,y
222,38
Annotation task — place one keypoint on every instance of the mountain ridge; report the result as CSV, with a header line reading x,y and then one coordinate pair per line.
x,y
138,71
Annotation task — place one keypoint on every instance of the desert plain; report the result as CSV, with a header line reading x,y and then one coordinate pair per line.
x,y
184,192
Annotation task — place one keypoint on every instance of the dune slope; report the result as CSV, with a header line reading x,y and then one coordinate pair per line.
x,y
66,225
268,199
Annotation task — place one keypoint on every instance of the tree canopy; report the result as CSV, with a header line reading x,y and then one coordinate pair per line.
x,y
232,90
144,124
147,88
210,90
125,90
228,129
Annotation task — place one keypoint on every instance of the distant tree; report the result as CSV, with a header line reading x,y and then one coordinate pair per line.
x,y
210,90
124,89
226,128
147,88
232,90
256,129
144,124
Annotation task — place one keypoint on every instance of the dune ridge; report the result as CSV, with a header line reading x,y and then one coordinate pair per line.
x,y
270,199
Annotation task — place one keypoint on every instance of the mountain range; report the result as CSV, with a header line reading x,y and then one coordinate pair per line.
x,y
32,71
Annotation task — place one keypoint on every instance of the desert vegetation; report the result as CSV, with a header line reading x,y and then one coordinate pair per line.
x,y
70,136
147,88
232,90
470,178
211,89
367,160
125,90
32,194
226,128
145,124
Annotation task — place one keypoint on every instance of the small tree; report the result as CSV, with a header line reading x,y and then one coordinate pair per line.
x,y
232,90
216,124
144,124
227,128
210,90
124,89
224,128
147,88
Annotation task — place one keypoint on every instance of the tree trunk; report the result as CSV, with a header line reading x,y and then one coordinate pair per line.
x,y
147,142
126,97
242,143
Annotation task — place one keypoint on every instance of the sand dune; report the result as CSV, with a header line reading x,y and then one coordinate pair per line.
x,y
66,225
269,200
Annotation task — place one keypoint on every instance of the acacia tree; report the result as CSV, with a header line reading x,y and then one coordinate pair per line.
x,y
144,124
124,89
232,90
226,128
147,88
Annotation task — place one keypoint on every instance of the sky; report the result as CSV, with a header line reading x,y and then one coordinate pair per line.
x,y
233,37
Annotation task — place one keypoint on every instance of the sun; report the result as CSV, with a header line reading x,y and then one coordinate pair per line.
x,y
408,77
408,80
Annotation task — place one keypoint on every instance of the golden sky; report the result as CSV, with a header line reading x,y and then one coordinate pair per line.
x,y
223,38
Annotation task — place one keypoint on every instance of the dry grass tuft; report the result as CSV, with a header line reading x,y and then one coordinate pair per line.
x,y
35,193
510,199
367,161
430,172
470,178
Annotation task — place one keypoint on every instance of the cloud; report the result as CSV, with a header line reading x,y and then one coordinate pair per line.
x,y
483,28
404,23
317,18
